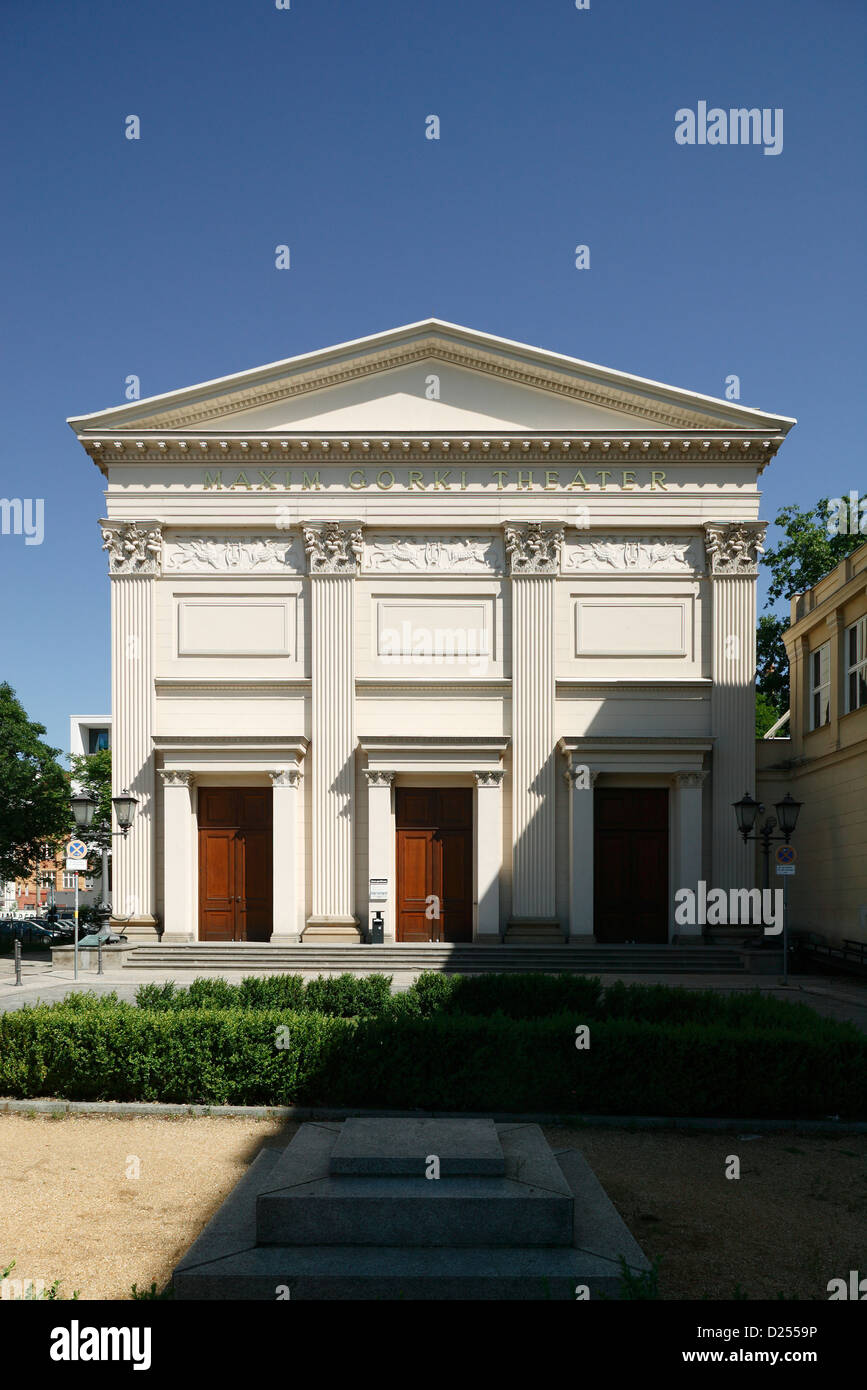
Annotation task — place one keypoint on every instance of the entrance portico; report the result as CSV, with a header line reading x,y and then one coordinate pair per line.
x,y
196,769
676,765
424,762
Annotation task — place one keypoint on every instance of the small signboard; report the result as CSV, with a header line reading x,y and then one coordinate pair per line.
x,y
378,890
75,866
786,857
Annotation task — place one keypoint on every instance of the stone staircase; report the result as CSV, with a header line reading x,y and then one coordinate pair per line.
x,y
413,1209
253,958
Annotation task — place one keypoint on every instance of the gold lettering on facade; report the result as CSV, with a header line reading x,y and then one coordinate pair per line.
x,y
521,480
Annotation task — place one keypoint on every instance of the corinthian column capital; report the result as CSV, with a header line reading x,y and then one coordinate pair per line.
x,y
134,547
733,548
332,547
533,548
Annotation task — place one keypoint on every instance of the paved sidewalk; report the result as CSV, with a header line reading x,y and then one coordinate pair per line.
x,y
832,996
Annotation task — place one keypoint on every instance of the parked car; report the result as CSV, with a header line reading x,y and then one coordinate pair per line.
x,y
8,934
40,936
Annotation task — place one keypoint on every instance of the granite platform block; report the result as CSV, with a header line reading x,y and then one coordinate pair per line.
x,y
310,1205
229,1261
364,1273
402,1147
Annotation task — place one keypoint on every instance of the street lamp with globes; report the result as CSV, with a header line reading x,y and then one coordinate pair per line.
x,y
788,809
84,806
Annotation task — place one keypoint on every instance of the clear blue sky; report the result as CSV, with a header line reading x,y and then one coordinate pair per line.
x,y
306,126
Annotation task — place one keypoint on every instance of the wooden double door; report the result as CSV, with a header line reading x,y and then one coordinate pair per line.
x,y
235,863
434,863
630,864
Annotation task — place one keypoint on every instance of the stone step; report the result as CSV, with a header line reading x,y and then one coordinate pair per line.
x,y
601,959
309,1205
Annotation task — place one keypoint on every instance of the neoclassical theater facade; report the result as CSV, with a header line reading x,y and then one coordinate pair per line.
x,y
432,630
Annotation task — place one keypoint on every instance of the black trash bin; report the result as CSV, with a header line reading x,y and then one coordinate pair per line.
x,y
377,929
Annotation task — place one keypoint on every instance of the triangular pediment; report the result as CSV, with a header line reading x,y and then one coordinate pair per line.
x,y
433,377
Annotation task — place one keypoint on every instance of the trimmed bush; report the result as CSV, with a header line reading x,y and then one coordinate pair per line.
x,y
516,996
271,992
342,996
88,1047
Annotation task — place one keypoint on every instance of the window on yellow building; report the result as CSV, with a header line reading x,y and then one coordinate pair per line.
x,y
856,657
820,686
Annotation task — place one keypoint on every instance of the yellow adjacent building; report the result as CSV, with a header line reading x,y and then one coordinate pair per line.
x,y
823,761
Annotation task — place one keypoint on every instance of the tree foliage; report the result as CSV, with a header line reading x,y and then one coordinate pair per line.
x,y
92,773
34,791
808,551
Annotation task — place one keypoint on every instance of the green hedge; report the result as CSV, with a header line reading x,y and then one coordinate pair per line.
x,y
339,996
89,1047
516,996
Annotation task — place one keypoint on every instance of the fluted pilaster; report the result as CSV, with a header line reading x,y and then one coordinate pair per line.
x,y
132,759
534,562
733,567
332,550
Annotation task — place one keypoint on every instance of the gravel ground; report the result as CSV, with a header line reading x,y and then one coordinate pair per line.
x,y
70,1210
795,1218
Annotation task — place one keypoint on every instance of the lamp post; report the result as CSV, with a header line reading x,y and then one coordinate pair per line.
x,y
788,809
83,808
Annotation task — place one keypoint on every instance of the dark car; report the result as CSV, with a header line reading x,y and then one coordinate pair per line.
x,y
40,935
8,934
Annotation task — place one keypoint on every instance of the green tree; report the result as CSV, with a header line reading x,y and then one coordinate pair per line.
x,y
91,772
810,549
34,791
813,543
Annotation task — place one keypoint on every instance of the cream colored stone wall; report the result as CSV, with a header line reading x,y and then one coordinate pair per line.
x,y
443,454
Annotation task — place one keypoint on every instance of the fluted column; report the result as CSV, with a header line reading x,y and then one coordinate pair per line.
x,y
333,551
380,845
688,850
580,780
134,550
285,928
733,570
534,558
178,924
489,853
